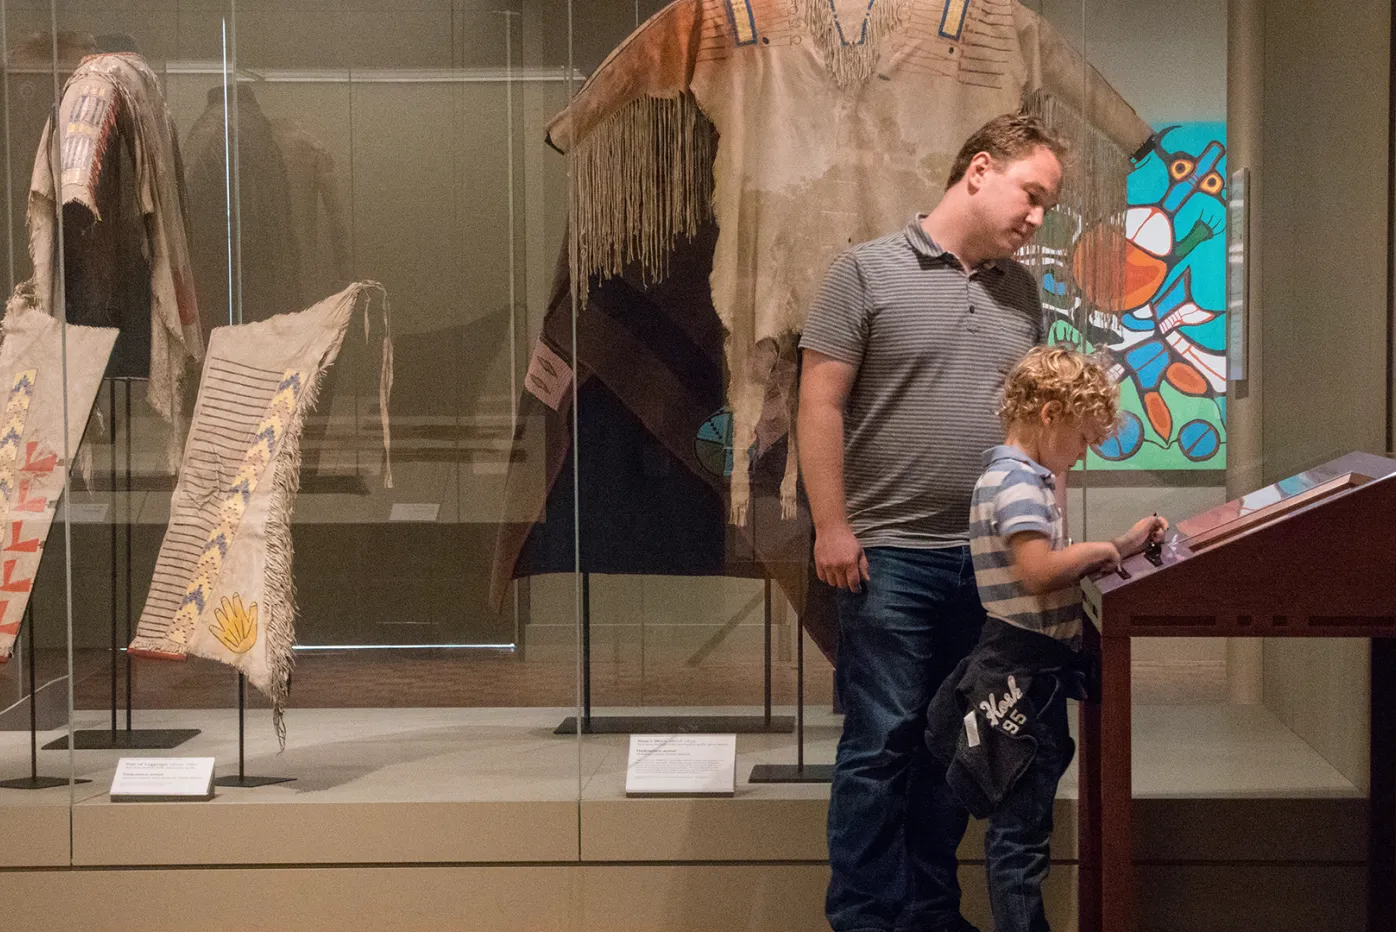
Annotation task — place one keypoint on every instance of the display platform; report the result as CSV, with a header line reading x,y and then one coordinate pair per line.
x,y
495,785
419,816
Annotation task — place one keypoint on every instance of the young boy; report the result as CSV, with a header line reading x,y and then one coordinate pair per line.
x,y
999,722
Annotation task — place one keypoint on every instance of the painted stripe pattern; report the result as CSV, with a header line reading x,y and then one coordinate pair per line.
x,y
952,21
15,587
742,20
242,419
16,413
931,346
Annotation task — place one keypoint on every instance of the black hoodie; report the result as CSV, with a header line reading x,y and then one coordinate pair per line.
x,y
983,725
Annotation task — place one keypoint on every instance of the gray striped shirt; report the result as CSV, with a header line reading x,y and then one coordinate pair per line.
x,y
932,346
1014,496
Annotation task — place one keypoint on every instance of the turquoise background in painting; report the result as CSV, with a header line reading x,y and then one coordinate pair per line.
x,y
1174,414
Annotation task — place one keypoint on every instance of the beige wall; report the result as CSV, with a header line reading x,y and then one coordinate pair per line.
x,y
1325,233
1167,59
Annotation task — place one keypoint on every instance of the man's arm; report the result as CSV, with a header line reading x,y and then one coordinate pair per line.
x,y
824,386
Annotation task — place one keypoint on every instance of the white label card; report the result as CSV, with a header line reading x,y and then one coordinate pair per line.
x,y
154,779
84,512
423,512
681,765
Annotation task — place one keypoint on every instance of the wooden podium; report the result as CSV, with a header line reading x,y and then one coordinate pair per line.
x,y
1312,556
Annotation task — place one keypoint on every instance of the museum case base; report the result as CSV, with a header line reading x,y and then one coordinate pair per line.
x,y
435,807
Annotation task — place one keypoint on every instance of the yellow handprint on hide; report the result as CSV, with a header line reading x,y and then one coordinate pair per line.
x,y
237,627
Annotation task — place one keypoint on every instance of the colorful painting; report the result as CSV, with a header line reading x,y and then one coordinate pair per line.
x,y
1165,335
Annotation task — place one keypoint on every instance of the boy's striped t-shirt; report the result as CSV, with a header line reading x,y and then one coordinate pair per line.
x,y
1015,495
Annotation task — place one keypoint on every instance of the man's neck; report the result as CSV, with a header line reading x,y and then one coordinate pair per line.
x,y
945,225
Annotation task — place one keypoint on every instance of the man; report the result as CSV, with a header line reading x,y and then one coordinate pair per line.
x,y
905,353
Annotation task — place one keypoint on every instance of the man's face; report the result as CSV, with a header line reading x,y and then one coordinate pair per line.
x,y
1013,197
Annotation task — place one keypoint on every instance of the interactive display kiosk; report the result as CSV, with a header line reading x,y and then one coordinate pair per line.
x,y
1311,556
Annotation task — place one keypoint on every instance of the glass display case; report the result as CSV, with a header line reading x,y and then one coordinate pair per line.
x,y
290,504
401,412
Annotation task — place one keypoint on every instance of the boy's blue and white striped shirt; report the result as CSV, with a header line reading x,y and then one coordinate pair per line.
x,y
1014,495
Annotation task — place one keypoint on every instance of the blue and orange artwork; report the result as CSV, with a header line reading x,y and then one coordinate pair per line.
x,y
1164,333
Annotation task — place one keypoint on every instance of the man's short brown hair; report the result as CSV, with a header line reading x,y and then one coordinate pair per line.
x,y
1006,138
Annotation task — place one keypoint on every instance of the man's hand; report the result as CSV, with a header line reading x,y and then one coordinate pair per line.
x,y
839,559
1144,531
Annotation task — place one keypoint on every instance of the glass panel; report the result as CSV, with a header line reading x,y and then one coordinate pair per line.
x,y
1163,332
1292,414
690,619
35,788
406,147
364,207
131,352
1190,445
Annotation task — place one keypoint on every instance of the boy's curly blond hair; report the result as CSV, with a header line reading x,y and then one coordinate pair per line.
x,y
1075,381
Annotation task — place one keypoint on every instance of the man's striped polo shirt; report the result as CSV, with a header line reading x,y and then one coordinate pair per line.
x,y
932,346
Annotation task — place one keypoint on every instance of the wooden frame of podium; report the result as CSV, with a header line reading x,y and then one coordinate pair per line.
x,y
1315,559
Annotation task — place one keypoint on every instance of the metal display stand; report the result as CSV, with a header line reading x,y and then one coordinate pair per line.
x,y
766,723
798,772
242,779
129,738
33,781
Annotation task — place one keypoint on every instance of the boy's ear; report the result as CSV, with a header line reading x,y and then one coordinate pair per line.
x,y
1050,412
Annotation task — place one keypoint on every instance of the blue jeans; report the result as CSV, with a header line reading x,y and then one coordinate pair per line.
x,y
1018,840
1017,843
893,828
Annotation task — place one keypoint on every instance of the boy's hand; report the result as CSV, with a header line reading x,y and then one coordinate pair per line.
x,y
1101,556
839,559
1145,531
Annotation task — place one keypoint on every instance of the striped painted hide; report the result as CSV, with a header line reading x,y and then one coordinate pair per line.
x,y
222,587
